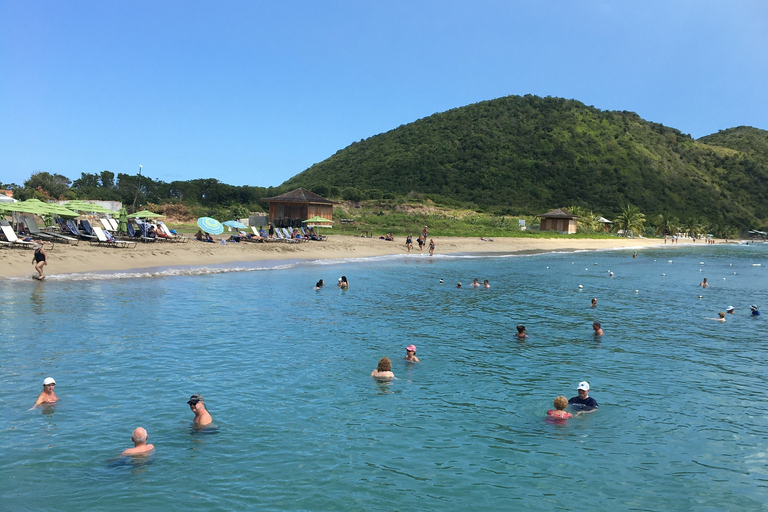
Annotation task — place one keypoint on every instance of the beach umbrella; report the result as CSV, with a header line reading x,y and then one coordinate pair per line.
x,y
318,221
82,206
122,226
145,214
235,224
210,225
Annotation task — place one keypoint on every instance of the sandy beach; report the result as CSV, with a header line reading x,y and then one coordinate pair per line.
x,y
67,259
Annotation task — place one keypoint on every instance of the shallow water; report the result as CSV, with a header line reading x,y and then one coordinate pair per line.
x,y
301,426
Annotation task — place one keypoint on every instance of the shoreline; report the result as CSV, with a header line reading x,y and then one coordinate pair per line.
x,y
87,259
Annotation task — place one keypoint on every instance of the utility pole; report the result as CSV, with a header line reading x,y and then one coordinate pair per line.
x,y
138,187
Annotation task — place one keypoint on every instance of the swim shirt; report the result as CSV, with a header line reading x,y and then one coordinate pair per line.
x,y
552,412
586,404
755,313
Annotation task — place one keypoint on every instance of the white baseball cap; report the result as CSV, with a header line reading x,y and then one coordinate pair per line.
x,y
583,385
49,380
729,308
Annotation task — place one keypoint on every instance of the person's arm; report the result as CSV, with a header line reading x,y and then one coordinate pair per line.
x,y
40,399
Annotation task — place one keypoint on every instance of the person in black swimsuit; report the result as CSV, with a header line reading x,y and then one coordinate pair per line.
x,y
40,259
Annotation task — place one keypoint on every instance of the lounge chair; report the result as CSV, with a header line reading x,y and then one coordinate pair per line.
x,y
34,229
282,238
170,236
107,225
10,236
76,231
138,235
106,238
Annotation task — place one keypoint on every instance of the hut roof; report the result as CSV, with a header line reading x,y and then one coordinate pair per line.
x,y
604,220
558,213
300,195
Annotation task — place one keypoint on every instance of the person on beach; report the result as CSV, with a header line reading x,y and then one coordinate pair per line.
x,y
263,232
47,396
584,403
140,446
319,284
270,230
730,310
704,283
421,241
559,412
409,242
486,284
384,370
597,328
343,283
475,283
594,302
410,354
40,258
755,312
197,406
425,233
431,246
521,332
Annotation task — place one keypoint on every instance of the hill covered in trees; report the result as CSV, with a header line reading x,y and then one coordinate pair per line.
x,y
528,154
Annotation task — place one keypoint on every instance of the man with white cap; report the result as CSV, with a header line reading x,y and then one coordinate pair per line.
x,y
584,403
47,396
755,311
730,310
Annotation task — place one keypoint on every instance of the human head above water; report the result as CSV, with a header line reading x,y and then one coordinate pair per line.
x,y
561,403
385,365
139,435
520,329
411,348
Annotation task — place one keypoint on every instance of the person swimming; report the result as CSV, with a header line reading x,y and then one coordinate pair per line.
x,y
383,370
521,332
47,396
410,354
598,328
559,412
319,284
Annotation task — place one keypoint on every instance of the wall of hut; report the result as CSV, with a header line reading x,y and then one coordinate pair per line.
x,y
561,225
287,214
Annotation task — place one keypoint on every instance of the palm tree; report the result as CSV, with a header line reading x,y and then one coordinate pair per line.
x,y
587,220
631,220
694,226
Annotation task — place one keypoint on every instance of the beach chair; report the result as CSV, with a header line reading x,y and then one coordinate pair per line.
x,y
110,241
115,225
138,235
10,236
282,238
34,229
106,225
170,236
76,231
261,238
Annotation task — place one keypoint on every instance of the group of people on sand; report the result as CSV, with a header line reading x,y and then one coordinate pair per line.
x,y
383,370
139,436
422,240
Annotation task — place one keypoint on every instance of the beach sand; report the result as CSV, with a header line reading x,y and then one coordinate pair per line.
x,y
66,259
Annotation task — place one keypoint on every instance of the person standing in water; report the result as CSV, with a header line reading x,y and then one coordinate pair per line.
x,y
343,283
594,302
431,246
583,402
197,406
597,328
140,446
40,258
704,283
410,354
47,396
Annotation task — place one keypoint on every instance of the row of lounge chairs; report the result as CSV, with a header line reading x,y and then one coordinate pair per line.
x,y
11,239
281,235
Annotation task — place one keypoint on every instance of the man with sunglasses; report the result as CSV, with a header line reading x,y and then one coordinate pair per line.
x,y
197,406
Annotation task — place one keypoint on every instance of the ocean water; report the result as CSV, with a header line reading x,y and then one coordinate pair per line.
x,y
300,425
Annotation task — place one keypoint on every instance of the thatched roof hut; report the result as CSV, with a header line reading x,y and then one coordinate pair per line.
x,y
558,220
291,208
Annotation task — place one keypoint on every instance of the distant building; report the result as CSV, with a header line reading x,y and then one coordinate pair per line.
x,y
291,208
558,220
606,223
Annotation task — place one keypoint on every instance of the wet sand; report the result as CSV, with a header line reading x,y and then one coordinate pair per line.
x,y
66,259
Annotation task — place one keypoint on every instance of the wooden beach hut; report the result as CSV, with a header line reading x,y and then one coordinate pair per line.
x,y
291,208
558,220
606,223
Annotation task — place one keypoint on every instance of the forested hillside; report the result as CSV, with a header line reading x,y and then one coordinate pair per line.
x,y
528,154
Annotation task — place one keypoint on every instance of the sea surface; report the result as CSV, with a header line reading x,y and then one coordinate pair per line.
x,y
300,425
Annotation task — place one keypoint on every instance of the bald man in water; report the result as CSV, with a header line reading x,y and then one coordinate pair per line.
x,y
140,445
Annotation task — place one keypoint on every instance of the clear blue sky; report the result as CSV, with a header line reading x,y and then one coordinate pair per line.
x,y
253,92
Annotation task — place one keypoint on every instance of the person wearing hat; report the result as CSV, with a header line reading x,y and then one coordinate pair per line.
x,y
39,258
47,396
584,403
197,406
140,445
730,310
755,312
410,354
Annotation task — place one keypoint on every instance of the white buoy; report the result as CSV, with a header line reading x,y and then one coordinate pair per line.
x,y
756,265
701,270
664,274
586,269
595,264
700,296
669,261
701,263
581,286
637,291
441,280
547,267
734,273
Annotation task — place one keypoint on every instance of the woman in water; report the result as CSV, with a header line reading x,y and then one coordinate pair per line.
x,y
319,284
343,283
410,354
40,258
521,332
384,370
559,412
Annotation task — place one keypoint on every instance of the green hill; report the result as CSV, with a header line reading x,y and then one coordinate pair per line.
x,y
527,154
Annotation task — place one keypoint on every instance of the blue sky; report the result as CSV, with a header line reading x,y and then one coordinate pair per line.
x,y
252,92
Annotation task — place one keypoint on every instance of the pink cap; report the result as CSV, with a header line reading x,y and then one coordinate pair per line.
x,y
411,348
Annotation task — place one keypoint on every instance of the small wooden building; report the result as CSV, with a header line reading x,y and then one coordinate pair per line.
x,y
291,208
606,223
558,220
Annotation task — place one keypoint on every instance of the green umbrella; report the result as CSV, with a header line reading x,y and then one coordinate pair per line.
x,y
145,214
82,206
317,220
122,227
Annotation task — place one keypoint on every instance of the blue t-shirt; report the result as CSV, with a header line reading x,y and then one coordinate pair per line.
x,y
585,404
755,313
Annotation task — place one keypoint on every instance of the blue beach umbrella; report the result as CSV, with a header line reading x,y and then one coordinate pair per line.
x,y
210,225
235,224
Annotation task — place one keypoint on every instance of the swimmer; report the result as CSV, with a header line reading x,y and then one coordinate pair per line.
x,y
634,254
410,354
704,283
140,446
319,284
594,302
47,396
583,402
521,332
755,312
197,406
475,283
559,412
384,370
486,284
343,283
610,274
458,285
598,328
730,310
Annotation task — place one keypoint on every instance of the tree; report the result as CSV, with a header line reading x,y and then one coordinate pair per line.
x,y
53,185
666,224
630,220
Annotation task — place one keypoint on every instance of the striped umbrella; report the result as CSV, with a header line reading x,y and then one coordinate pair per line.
x,y
210,225
235,224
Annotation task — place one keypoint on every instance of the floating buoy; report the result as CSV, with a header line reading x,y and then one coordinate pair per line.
x,y
700,296
610,274
734,273
756,265
441,280
586,269
701,270
595,264
701,263
669,261
581,286
637,291
547,267
663,274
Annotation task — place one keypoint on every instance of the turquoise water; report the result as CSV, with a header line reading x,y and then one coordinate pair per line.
x,y
300,425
